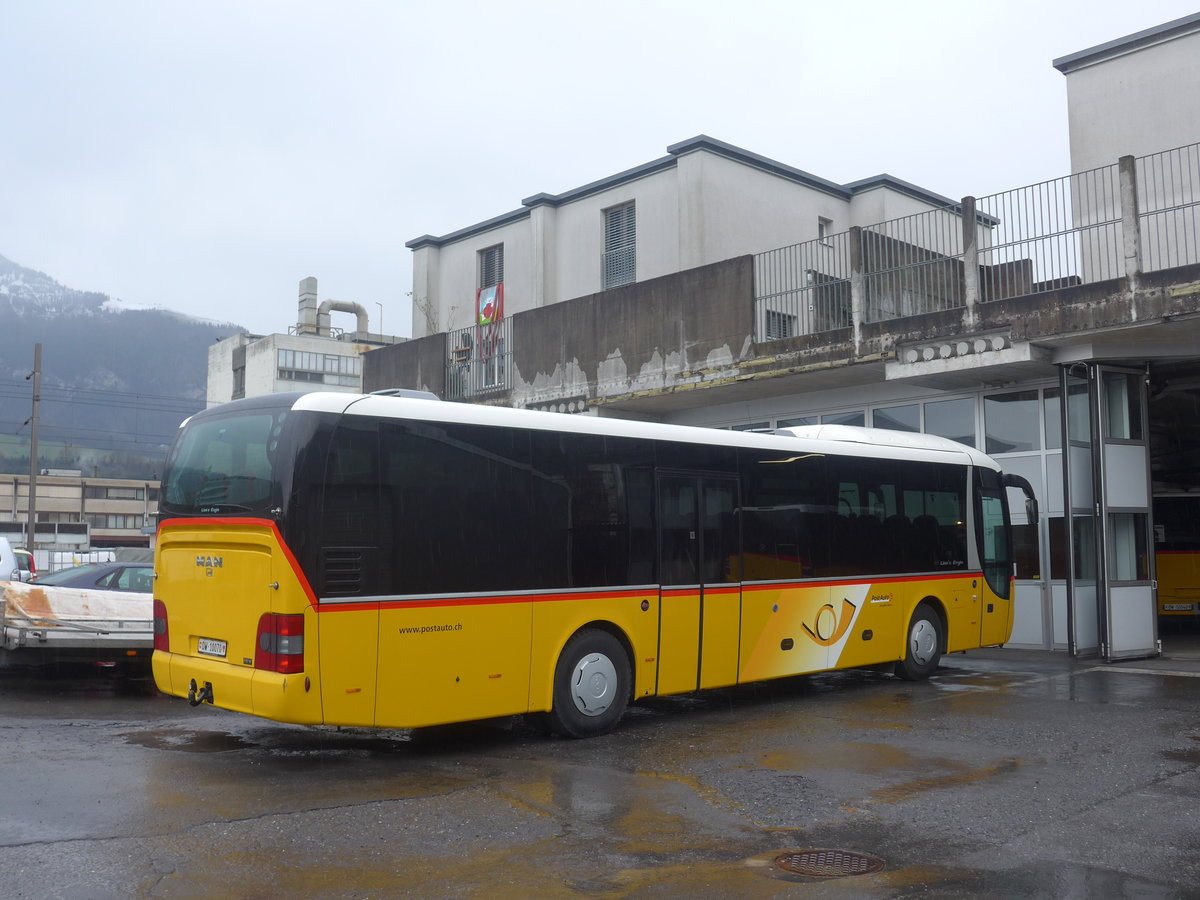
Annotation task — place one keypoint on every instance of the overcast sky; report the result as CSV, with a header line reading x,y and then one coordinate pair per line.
x,y
204,157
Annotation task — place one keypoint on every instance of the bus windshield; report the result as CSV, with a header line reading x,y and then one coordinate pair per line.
x,y
223,465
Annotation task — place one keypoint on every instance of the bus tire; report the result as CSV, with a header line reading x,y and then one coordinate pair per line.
x,y
923,646
591,685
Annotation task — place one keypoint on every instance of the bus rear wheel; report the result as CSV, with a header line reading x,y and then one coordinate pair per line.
x,y
591,685
923,649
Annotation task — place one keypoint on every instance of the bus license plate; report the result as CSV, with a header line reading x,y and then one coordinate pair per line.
x,y
210,647
1177,607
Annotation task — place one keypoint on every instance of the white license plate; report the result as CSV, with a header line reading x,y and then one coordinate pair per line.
x,y
1177,607
210,647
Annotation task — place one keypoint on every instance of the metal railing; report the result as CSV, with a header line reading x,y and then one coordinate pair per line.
x,y
804,288
479,360
913,265
1138,215
1051,235
1168,188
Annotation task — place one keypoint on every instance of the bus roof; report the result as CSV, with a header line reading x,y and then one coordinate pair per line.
x,y
832,439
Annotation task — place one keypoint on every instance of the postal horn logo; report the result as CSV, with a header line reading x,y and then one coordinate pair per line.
x,y
828,625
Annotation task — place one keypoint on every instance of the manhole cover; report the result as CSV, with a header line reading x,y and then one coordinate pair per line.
x,y
827,863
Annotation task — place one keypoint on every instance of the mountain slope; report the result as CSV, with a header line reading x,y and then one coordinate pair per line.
x,y
112,378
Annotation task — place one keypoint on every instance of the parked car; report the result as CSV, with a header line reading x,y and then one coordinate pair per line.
x,y
25,564
15,565
116,576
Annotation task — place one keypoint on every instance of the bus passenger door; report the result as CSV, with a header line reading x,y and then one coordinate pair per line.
x,y
701,591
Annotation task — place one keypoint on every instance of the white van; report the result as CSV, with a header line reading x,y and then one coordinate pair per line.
x,y
10,570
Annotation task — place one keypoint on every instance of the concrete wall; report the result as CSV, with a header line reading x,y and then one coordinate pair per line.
x,y
746,210
419,364
651,335
1135,103
219,387
645,336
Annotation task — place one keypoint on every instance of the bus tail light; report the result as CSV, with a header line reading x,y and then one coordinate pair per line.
x,y
280,643
162,640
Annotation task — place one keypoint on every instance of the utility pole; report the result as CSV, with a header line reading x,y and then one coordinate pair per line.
x,y
36,375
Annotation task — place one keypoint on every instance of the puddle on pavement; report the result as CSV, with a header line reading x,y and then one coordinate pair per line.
x,y
867,758
899,792
283,744
189,741
1191,757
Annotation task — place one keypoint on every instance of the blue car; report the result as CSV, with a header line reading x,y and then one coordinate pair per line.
x,y
118,576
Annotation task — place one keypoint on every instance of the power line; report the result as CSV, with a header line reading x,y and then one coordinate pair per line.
x,y
127,400
112,436
13,383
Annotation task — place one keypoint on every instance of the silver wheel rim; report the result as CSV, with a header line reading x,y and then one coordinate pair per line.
x,y
923,641
594,684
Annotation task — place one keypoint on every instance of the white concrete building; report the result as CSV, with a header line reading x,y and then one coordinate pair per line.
x,y
313,355
703,202
715,287
1135,95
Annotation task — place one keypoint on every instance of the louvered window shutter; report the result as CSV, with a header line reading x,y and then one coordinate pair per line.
x,y
620,240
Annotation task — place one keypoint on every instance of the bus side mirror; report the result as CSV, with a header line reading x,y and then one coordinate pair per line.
x,y
1022,484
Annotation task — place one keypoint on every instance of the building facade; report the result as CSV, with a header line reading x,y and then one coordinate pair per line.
x,y
1053,326
703,202
77,514
1135,95
313,355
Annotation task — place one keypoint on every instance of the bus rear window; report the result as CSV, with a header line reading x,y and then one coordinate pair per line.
x,y
223,465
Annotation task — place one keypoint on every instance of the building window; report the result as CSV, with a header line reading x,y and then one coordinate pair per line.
x,y
491,266
239,383
798,422
824,229
103,492
1011,422
898,418
780,325
850,417
319,368
954,419
116,522
620,237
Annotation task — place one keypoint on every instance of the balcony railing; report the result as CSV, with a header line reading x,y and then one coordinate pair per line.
x,y
478,360
1137,215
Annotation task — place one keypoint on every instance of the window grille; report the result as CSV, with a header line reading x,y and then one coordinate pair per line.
x,y
779,325
491,266
620,239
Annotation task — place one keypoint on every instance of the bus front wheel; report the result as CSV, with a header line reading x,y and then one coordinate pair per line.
x,y
923,649
591,685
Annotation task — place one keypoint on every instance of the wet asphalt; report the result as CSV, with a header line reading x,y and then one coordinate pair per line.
x,y
1009,774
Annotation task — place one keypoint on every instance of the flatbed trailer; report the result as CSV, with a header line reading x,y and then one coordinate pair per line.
x,y
63,623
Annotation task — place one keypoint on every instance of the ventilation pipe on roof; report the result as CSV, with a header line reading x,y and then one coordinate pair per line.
x,y
307,323
340,306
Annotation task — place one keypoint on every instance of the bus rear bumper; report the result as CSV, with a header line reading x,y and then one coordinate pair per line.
x,y
284,698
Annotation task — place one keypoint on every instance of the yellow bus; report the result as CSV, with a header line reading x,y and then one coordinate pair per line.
x,y
1177,554
395,561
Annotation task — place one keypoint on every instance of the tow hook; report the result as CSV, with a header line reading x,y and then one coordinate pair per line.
x,y
196,695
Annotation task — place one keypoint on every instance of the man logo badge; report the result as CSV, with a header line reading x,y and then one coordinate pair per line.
x,y
209,563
